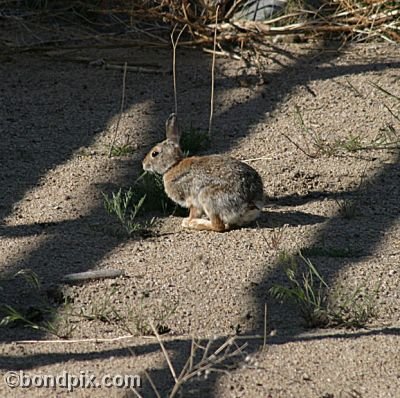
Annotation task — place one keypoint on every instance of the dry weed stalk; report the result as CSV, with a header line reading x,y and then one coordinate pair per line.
x,y
207,22
120,111
213,73
265,326
174,45
211,360
276,238
357,18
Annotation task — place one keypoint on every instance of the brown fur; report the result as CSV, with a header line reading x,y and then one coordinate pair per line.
x,y
224,190
178,169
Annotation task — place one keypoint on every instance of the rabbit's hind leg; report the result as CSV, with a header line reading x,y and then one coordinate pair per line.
x,y
214,224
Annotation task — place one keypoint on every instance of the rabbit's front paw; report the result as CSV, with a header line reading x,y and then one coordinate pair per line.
x,y
186,222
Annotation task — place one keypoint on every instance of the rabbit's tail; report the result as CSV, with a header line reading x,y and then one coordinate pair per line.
x,y
246,216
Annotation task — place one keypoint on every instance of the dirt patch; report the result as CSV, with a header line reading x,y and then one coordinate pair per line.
x,y
57,122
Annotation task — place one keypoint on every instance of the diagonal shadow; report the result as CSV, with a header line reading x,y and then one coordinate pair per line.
x,y
26,362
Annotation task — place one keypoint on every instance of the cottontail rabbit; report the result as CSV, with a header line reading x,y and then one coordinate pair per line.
x,y
227,191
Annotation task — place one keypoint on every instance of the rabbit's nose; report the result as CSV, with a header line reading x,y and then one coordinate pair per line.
x,y
146,166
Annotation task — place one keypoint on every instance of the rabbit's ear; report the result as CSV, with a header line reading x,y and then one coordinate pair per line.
x,y
171,126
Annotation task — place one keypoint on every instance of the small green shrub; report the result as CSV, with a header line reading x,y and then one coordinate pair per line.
x,y
125,208
348,208
122,150
194,141
152,186
42,315
319,304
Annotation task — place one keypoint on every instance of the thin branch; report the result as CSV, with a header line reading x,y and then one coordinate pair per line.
x,y
171,368
95,339
149,379
256,159
90,275
298,146
153,386
136,392
265,326
121,110
213,73
174,45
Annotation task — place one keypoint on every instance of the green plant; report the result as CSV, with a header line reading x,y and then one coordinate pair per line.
x,y
286,259
41,316
147,194
319,304
137,320
352,143
123,206
352,309
134,317
31,317
307,290
36,318
194,141
100,309
274,242
122,150
348,208
317,145
152,186
30,277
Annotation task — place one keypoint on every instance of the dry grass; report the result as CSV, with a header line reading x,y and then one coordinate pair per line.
x,y
322,305
142,22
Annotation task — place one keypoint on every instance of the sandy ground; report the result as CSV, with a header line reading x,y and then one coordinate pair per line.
x,y
57,120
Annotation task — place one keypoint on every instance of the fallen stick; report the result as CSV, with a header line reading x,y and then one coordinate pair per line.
x,y
138,69
88,275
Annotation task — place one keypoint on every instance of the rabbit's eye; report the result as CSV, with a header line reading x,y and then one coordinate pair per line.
x,y
154,154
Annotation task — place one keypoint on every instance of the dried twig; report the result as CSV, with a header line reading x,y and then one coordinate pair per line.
x,y
148,377
137,69
213,73
166,356
298,146
257,159
90,275
265,327
352,19
120,112
174,45
79,341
